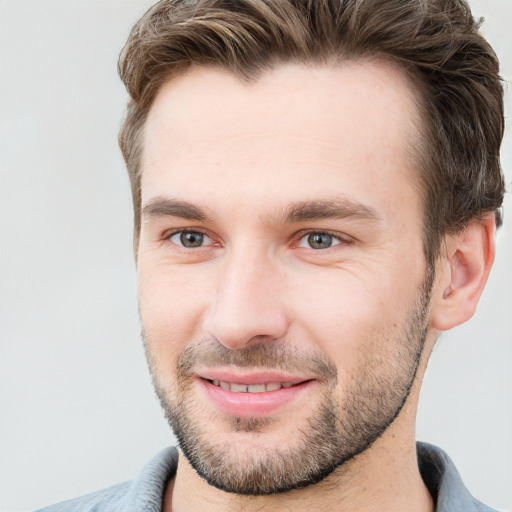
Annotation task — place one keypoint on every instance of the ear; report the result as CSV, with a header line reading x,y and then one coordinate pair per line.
x,y
462,270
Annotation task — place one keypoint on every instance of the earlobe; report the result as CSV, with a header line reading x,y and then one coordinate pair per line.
x,y
462,273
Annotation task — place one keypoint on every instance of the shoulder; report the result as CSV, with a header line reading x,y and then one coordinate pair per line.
x,y
444,482
145,492
105,500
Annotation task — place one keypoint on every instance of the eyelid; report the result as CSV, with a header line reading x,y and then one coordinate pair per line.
x,y
167,235
342,238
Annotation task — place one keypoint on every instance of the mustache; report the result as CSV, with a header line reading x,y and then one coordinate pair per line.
x,y
265,355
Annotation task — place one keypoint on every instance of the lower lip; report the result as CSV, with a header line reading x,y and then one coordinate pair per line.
x,y
250,405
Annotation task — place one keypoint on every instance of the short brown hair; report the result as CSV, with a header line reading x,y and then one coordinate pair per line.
x,y
436,42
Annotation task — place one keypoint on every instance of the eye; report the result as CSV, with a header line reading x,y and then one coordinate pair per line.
x,y
319,240
190,239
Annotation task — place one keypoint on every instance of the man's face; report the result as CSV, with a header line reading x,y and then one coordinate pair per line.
x,y
283,290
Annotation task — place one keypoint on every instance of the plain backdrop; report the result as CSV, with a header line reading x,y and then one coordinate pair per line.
x,y
77,408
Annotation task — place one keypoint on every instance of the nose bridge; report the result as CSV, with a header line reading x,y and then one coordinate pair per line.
x,y
247,305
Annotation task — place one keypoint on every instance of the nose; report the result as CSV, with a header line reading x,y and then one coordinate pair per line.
x,y
248,306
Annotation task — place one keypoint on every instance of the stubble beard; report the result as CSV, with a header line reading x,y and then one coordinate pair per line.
x,y
334,434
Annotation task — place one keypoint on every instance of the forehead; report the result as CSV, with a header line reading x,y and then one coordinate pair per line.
x,y
299,128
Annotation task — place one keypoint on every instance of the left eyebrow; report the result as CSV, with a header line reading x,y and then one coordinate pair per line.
x,y
329,209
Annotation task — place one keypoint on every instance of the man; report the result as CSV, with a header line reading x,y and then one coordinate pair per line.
x,y
316,188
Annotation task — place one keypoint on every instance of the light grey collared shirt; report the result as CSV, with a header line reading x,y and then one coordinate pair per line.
x,y
145,493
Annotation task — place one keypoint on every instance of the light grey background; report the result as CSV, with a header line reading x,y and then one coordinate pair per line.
x,y
77,408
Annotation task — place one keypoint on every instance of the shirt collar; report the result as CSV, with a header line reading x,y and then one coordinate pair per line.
x,y
444,482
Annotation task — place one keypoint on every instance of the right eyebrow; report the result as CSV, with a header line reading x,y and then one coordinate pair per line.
x,y
166,207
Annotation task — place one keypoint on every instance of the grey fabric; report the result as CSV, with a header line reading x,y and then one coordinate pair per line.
x,y
444,482
145,493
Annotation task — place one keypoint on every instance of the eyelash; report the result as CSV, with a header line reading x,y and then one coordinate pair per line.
x,y
169,235
341,240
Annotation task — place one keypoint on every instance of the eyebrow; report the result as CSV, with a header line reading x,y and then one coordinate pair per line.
x,y
330,209
164,207
300,211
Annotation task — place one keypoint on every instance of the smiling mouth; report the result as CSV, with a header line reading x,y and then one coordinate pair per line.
x,y
252,395
253,388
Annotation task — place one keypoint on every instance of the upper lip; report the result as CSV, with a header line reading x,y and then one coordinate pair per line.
x,y
251,377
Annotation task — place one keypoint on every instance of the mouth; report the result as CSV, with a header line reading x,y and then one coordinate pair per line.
x,y
253,394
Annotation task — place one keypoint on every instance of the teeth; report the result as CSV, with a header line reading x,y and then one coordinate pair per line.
x,y
251,388
238,388
256,388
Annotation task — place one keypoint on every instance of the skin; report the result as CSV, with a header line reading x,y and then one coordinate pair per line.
x,y
243,153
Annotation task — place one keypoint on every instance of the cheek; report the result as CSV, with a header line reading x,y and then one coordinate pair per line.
x,y
347,315
171,304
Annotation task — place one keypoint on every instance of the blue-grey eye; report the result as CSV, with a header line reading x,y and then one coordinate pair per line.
x,y
190,239
318,240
